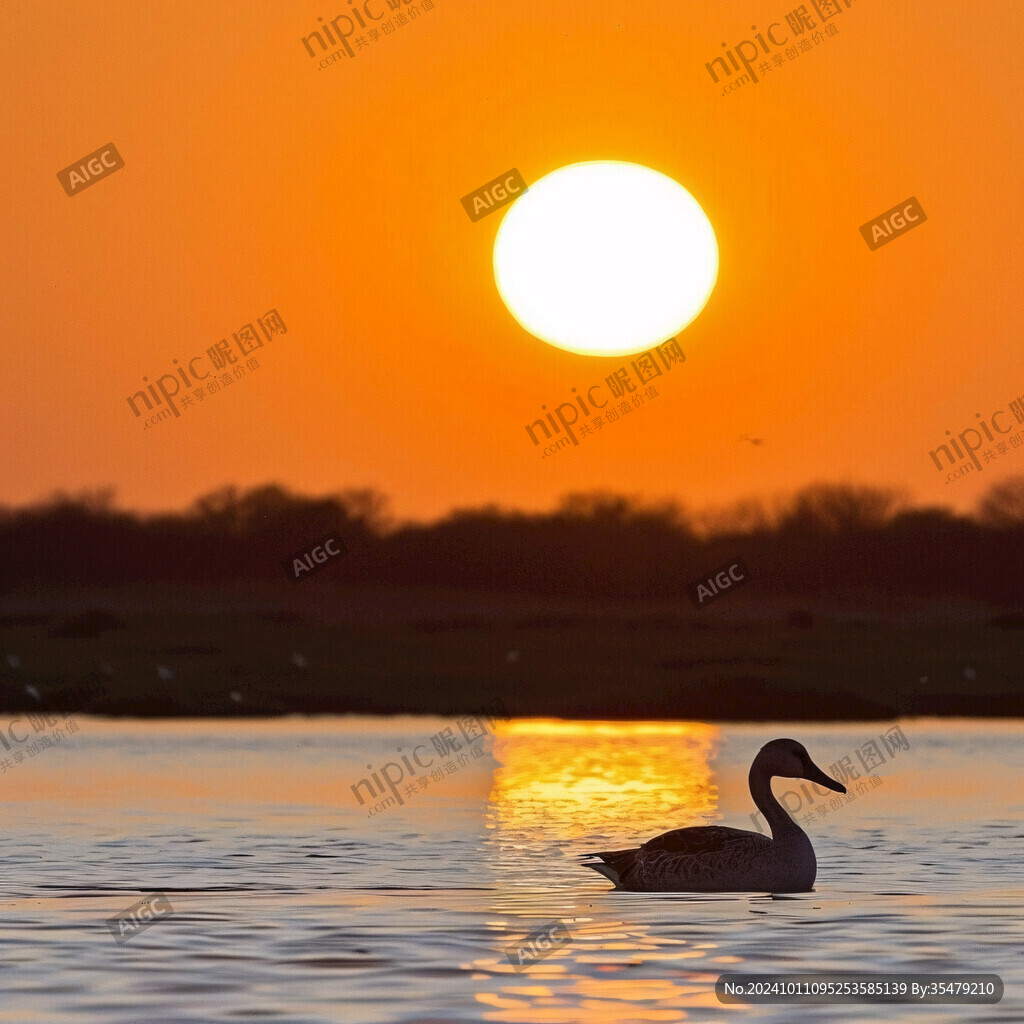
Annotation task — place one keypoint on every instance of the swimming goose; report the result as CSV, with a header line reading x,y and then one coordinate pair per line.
x,y
717,859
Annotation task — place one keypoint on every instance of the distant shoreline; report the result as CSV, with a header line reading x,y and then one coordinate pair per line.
x,y
185,653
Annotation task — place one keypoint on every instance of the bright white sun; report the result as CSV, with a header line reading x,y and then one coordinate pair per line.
x,y
605,258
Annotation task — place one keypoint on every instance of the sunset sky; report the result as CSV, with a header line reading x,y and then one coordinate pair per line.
x,y
255,180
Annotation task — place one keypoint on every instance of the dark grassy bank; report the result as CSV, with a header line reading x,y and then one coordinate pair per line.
x,y
178,652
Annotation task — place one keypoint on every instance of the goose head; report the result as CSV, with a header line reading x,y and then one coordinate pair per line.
x,y
790,760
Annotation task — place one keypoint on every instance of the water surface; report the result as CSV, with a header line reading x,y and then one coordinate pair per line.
x,y
294,903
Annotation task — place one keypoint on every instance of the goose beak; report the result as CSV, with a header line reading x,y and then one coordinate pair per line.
x,y
815,774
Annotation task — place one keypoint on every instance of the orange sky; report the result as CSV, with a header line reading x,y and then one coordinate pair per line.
x,y
254,180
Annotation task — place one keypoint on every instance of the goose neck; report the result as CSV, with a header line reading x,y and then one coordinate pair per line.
x,y
774,813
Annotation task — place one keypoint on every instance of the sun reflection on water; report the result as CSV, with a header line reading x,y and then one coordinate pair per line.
x,y
559,789
576,779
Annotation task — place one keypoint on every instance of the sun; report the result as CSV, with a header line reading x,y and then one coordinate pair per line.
x,y
605,258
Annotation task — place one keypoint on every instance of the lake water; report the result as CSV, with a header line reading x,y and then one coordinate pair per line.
x,y
293,903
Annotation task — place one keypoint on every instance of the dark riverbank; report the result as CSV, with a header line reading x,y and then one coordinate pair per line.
x,y
168,651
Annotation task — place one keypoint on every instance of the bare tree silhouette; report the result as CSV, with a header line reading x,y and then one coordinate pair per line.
x,y
1003,506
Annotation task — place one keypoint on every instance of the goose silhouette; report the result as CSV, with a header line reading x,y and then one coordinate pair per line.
x,y
713,858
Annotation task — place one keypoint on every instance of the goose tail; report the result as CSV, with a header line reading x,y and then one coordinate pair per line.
x,y
613,865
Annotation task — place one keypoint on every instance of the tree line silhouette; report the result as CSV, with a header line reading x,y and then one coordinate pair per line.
x,y
827,539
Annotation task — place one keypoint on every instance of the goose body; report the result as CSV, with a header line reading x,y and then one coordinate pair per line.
x,y
717,859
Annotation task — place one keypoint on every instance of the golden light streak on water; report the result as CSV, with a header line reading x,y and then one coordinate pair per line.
x,y
603,777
